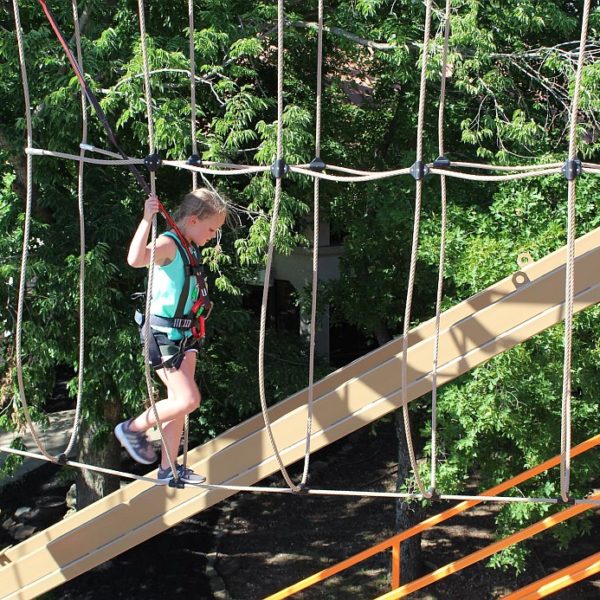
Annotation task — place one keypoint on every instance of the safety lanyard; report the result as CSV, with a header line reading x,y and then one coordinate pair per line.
x,y
194,266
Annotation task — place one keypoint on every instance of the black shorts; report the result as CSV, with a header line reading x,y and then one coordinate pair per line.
x,y
166,353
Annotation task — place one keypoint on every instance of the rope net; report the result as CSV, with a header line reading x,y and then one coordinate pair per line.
x,y
458,170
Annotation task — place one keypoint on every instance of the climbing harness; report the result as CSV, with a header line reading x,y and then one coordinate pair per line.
x,y
192,322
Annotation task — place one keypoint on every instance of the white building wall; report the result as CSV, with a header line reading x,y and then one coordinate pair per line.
x,y
297,269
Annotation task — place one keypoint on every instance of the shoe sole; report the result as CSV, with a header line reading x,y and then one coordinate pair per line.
x,y
186,481
120,435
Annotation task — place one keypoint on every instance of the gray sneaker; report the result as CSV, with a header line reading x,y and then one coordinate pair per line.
x,y
136,444
186,475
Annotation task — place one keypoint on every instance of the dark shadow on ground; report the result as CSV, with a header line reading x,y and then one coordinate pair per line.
x,y
263,543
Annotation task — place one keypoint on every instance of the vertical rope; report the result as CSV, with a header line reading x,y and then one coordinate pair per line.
x,y
151,144
414,251
442,259
315,261
192,52
565,435
84,133
26,234
272,235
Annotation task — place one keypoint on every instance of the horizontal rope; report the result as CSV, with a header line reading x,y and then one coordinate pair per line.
x,y
180,163
85,159
470,165
309,492
208,167
370,176
237,170
473,177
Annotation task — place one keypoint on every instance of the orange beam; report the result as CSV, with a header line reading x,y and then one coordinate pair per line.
x,y
429,523
557,581
467,561
396,565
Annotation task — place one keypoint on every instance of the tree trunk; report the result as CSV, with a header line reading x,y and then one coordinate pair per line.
x,y
382,334
408,513
92,486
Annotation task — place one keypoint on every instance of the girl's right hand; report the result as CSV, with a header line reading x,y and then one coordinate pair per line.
x,y
151,207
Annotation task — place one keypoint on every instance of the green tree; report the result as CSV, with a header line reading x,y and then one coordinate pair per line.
x,y
231,113
512,65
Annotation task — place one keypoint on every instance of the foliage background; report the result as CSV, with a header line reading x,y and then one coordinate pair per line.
x,y
508,103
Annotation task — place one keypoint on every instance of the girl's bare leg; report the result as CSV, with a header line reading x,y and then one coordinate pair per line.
x,y
183,398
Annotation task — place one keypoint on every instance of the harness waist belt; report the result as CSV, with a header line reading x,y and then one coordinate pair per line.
x,y
183,323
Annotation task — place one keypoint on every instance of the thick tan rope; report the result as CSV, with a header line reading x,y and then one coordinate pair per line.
x,y
268,268
25,253
77,419
84,132
413,258
473,177
524,171
315,261
565,434
192,53
147,330
192,57
313,492
26,236
442,259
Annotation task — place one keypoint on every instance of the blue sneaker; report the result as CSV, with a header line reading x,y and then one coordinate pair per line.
x,y
186,475
136,444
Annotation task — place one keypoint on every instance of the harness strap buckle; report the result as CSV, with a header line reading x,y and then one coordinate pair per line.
x,y
176,322
182,323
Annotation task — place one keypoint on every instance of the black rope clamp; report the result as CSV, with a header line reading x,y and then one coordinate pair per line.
x,y
152,162
302,488
279,168
433,495
419,170
317,164
441,162
62,459
571,169
176,483
194,160
568,502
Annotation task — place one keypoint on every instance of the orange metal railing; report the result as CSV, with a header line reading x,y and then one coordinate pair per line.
x,y
467,561
557,581
394,542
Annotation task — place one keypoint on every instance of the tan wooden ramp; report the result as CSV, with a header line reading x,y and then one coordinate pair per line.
x,y
483,326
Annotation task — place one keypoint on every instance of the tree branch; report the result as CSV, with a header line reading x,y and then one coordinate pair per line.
x,y
205,79
19,164
348,35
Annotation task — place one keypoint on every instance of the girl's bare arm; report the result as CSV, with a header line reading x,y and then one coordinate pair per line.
x,y
139,249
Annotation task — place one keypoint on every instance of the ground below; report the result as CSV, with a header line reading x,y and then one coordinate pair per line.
x,y
253,545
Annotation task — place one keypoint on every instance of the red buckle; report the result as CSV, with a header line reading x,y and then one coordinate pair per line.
x,y
199,331
201,306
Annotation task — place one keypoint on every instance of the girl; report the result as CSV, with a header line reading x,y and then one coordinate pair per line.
x,y
172,348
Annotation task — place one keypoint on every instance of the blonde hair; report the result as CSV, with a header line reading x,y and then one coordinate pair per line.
x,y
202,203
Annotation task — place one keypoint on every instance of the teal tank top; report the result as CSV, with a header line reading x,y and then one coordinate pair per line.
x,y
167,287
